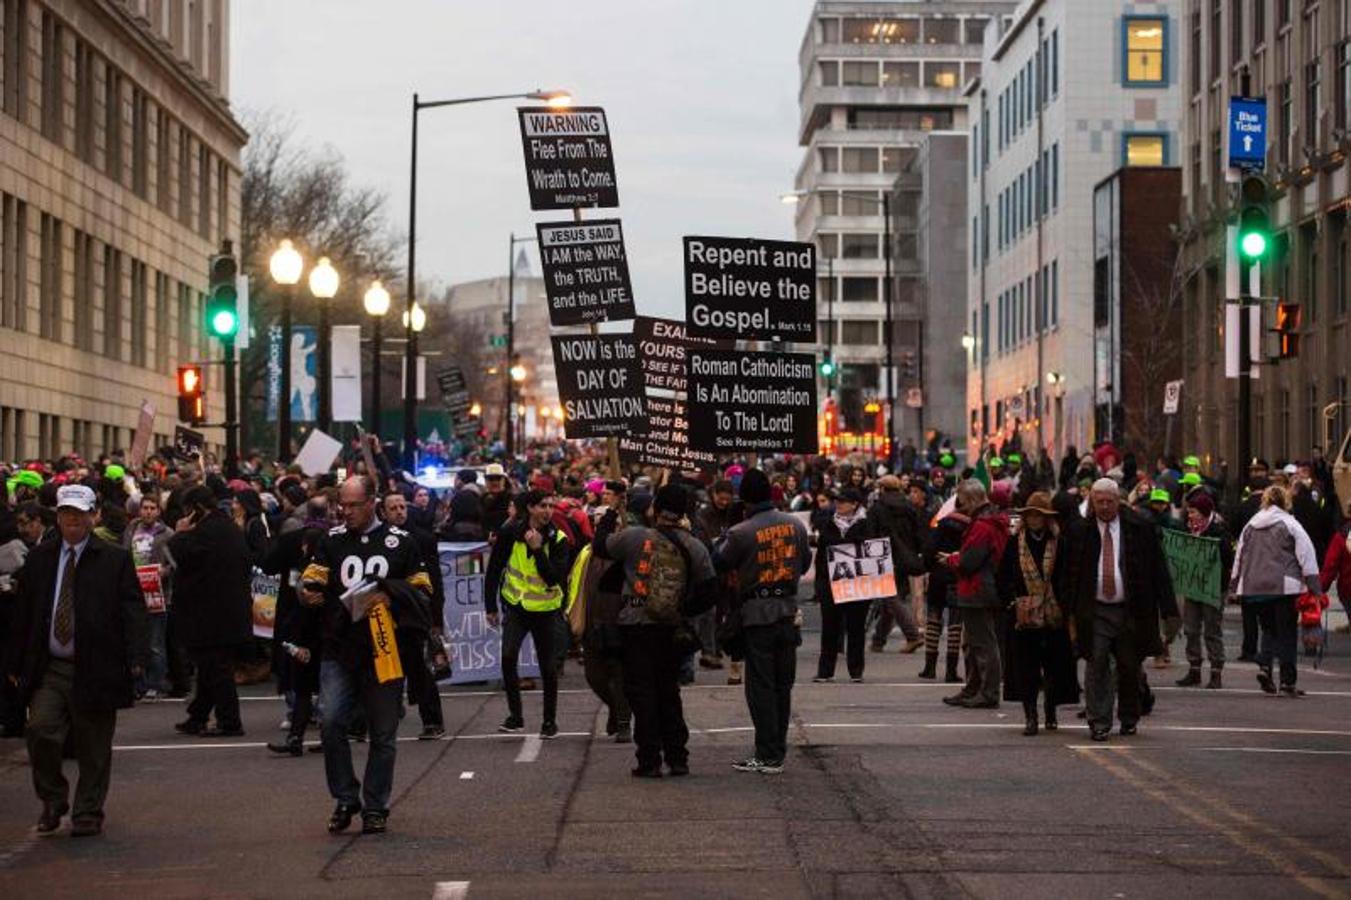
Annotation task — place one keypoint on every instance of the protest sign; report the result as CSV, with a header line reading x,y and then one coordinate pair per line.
x,y
1194,563
569,163
748,401
861,570
586,274
151,588
600,384
662,345
317,454
264,590
140,442
188,444
473,647
749,289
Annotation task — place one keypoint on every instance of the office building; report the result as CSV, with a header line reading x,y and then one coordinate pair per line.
x,y
875,78
119,176
1068,94
1297,55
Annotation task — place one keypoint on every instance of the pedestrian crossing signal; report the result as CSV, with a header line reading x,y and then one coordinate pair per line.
x,y
191,399
1288,319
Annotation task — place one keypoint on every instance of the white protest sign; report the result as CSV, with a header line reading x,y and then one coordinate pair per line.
x,y
318,454
861,570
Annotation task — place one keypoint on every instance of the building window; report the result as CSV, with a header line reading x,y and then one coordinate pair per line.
x,y
1215,33
1055,62
184,176
1145,149
15,61
140,142
858,246
859,74
1235,32
942,74
185,351
878,30
894,158
1287,120
1282,13
1055,292
1259,23
830,73
858,159
49,279
13,263
1145,42
830,158
84,292
828,246
1313,99
1343,84
139,308
942,30
860,203
900,74
1194,69
112,302
975,30
161,322
84,102
829,202
1341,280
830,31
53,79
858,290
204,176
859,332
112,124
163,161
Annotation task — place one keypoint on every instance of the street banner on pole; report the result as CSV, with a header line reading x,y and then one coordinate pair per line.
x,y
750,401
1194,563
304,372
569,163
662,348
751,290
473,647
1247,133
861,570
1172,397
140,441
600,384
346,345
586,274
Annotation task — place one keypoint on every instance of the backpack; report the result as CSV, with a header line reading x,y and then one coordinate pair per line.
x,y
662,579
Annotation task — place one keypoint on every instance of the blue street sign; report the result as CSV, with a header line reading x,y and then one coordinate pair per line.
x,y
1247,133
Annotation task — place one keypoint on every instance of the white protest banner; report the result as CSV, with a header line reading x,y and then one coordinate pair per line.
x,y
346,368
861,570
318,454
473,647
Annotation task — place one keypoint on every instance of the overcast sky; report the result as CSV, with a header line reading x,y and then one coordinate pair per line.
x,y
701,97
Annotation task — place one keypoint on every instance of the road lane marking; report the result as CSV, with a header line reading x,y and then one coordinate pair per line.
x,y
1304,750
1235,834
466,776
450,890
530,749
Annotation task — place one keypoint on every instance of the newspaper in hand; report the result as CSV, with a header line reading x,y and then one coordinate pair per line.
x,y
359,598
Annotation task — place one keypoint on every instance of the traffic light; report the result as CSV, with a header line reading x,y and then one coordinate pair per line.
x,y
1254,219
1288,318
909,365
191,401
222,299
827,368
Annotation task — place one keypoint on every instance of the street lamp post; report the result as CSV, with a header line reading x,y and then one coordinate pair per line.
x,y
324,287
511,365
285,267
376,303
553,98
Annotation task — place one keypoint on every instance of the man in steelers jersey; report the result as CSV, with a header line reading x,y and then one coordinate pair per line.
x,y
373,593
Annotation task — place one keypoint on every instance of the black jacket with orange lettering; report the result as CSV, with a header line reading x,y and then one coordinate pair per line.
x,y
769,551
383,554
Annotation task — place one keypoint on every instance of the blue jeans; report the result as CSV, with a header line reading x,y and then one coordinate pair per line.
x,y
340,690
156,676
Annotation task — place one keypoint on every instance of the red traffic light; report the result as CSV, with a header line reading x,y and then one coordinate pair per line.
x,y
191,403
1288,319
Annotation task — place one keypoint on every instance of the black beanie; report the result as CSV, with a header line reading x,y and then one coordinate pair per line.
x,y
754,486
671,499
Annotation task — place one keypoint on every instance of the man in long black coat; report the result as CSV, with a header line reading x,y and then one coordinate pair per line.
x,y
1118,587
213,603
78,642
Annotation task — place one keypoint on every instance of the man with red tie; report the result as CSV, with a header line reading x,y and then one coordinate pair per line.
x,y
1118,586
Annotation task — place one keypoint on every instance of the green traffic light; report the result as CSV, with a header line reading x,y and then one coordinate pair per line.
x,y
827,369
1253,244
224,323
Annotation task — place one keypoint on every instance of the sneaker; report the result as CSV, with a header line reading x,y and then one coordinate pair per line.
x,y
512,725
1264,679
912,644
342,817
548,731
754,764
150,696
431,733
771,768
822,679
285,724
1290,690
189,726
374,823
857,679
646,772
679,770
287,748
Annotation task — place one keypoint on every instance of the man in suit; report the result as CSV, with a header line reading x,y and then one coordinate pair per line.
x,y
78,645
1118,587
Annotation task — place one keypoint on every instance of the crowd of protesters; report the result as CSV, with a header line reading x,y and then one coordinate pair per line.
x,y
1008,572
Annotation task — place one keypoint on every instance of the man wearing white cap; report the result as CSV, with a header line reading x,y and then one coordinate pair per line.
x,y
77,646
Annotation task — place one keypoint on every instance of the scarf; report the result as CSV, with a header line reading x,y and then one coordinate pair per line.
x,y
1039,609
844,524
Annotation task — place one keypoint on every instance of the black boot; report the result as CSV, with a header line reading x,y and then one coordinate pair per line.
x,y
1030,711
951,677
1051,723
1216,682
1191,679
930,669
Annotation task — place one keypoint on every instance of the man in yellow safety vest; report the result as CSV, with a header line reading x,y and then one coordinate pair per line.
x,y
529,570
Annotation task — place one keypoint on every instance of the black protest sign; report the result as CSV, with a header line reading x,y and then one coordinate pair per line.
x,y
600,385
662,348
747,401
188,444
569,163
748,289
454,389
586,275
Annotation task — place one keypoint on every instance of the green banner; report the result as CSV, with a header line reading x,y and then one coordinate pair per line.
x,y
1194,563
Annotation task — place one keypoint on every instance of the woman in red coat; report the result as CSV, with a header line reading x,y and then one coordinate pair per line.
x,y
1337,565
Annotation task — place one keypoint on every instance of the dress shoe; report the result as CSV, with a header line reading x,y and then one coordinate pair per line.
x,y
1264,679
1098,734
431,733
679,770
976,703
646,772
342,817
190,726
957,699
1128,730
223,732
50,820
86,827
1290,690
287,748
1191,679
374,823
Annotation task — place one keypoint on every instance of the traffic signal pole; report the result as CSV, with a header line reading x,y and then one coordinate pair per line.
x,y
1244,339
231,412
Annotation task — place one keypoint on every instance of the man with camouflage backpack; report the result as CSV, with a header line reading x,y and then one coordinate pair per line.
x,y
665,569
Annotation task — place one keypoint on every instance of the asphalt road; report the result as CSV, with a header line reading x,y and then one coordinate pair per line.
x,y
886,792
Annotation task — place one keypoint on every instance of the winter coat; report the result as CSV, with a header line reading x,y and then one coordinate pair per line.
x,y
828,535
894,516
1337,564
1274,557
945,537
1144,574
976,563
213,599
110,628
